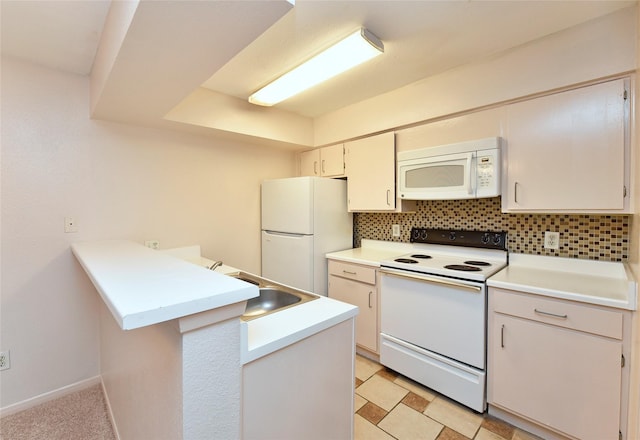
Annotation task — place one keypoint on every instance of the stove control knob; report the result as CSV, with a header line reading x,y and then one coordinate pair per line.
x,y
485,238
452,235
497,239
424,234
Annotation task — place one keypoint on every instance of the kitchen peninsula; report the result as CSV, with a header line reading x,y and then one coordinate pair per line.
x,y
177,362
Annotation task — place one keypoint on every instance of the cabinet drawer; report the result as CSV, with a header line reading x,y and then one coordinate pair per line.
x,y
582,317
356,272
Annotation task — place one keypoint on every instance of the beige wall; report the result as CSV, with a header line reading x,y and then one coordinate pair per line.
x,y
118,181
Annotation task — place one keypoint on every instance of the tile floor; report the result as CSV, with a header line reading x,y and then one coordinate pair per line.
x,y
389,406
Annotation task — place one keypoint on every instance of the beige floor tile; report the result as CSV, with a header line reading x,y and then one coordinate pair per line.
x,y
455,416
497,426
365,368
406,424
449,434
420,390
485,434
364,430
358,403
519,434
382,392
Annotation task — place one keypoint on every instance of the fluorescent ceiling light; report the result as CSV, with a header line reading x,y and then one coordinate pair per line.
x,y
355,49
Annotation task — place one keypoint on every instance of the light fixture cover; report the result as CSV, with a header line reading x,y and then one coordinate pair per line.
x,y
358,47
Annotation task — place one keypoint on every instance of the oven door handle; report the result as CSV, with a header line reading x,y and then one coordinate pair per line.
x,y
428,279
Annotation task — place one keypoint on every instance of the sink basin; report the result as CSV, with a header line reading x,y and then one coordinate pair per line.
x,y
273,296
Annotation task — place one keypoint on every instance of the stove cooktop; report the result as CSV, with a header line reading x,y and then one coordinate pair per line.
x,y
473,255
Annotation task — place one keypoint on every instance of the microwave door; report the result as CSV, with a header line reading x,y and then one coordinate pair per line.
x,y
443,177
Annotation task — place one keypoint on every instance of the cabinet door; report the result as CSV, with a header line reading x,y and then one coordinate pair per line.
x,y
567,380
332,161
371,173
566,151
365,297
310,163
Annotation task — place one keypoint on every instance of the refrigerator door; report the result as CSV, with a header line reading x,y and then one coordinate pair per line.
x,y
287,205
288,259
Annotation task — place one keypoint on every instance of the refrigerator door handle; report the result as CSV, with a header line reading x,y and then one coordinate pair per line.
x,y
284,234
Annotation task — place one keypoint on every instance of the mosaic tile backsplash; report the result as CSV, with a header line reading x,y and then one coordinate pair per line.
x,y
586,236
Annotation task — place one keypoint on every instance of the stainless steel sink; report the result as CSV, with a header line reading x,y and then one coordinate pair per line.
x,y
273,296
270,299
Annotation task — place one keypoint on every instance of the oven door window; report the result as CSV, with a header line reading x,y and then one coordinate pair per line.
x,y
447,318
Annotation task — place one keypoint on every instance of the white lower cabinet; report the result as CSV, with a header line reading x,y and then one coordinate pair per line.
x,y
356,284
556,363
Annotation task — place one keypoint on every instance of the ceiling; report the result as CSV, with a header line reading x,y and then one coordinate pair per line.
x,y
421,38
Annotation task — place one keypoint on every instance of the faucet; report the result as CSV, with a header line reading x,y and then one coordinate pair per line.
x,y
215,265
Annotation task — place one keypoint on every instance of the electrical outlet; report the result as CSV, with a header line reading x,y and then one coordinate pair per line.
x,y
551,240
395,230
70,225
152,244
5,360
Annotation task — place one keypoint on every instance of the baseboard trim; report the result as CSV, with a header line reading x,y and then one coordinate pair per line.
x,y
51,395
110,411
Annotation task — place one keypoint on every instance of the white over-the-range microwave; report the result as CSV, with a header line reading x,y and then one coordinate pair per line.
x,y
465,170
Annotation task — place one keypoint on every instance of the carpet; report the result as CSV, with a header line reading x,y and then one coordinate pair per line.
x,y
78,416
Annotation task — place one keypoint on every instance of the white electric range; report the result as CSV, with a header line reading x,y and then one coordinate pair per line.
x,y
434,310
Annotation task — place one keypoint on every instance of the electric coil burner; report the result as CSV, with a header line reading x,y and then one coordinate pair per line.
x,y
463,267
406,260
433,304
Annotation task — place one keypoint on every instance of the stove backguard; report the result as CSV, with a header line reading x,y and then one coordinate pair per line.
x,y
452,237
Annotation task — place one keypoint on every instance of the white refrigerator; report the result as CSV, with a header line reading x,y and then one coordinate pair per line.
x,y
303,218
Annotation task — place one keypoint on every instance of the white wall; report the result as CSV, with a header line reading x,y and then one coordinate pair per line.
x,y
118,181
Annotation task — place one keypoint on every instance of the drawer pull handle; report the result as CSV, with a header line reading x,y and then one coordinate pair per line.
x,y
349,273
555,315
502,336
370,306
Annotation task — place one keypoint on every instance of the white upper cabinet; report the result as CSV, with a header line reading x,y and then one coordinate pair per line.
x,y
569,151
310,163
371,164
323,162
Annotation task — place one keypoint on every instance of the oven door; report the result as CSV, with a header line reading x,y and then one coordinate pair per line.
x,y
451,176
442,315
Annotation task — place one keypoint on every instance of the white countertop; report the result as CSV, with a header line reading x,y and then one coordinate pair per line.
x,y
275,331
272,332
144,287
371,252
141,286
595,282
